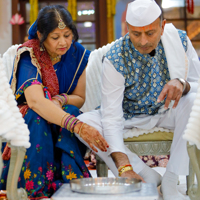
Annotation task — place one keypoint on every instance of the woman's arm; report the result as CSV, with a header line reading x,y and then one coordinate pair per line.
x,y
44,107
52,113
77,98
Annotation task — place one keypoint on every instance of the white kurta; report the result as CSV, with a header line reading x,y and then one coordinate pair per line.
x,y
110,123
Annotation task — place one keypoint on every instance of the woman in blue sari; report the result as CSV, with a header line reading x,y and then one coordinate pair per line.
x,y
48,81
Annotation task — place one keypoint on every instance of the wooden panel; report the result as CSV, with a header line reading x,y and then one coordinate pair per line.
x,y
101,25
23,26
15,28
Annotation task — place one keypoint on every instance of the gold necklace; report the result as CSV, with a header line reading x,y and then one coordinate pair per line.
x,y
57,58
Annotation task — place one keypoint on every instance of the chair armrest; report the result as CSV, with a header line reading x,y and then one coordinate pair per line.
x,y
16,161
194,154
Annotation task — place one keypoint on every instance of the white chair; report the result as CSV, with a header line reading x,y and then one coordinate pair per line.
x,y
13,129
8,59
192,135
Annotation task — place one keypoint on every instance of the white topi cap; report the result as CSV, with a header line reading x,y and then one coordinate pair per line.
x,y
142,12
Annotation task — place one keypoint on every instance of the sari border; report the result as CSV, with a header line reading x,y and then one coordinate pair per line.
x,y
17,58
22,88
76,71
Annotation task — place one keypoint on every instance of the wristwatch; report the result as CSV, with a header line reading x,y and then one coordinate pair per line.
x,y
183,82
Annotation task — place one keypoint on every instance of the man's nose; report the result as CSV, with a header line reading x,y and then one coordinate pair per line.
x,y
143,40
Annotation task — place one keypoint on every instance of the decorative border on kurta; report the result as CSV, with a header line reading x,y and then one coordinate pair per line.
x,y
186,66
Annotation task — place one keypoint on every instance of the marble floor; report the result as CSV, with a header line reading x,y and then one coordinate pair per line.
x,y
161,170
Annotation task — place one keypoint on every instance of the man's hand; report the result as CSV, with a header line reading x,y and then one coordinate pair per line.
x,y
121,159
173,90
132,174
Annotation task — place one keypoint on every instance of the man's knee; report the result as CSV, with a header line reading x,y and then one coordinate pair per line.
x,y
92,118
188,100
88,117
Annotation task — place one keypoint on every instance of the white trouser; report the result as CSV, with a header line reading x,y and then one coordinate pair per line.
x,y
174,119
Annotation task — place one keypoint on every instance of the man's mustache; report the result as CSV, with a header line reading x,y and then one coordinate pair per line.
x,y
145,46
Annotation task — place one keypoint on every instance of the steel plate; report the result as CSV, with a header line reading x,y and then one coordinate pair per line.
x,y
105,185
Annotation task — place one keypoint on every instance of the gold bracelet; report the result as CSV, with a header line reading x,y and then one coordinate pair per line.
x,y
62,119
122,166
69,123
125,169
79,132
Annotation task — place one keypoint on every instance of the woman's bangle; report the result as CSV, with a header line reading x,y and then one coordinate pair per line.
x,y
125,169
60,98
62,119
66,98
79,132
80,126
73,124
69,122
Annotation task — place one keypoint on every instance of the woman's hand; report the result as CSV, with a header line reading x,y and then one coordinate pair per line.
x,y
91,136
56,102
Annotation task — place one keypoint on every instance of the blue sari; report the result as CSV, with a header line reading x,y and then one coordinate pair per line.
x,y
54,156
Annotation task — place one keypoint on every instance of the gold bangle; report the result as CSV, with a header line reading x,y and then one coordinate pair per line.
x,y
72,126
79,132
125,169
69,123
122,166
62,119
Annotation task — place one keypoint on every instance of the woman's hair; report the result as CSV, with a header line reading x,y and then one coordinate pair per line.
x,y
48,20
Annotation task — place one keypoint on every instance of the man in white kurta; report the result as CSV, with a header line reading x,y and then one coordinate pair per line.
x,y
149,80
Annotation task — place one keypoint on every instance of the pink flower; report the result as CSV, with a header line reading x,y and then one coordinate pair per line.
x,y
35,82
85,174
163,163
50,175
29,185
49,186
17,19
53,185
40,169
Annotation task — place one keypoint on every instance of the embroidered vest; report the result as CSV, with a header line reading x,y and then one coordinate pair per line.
x,y
145,76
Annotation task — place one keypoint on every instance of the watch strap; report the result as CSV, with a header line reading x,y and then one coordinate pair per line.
x,y
183,82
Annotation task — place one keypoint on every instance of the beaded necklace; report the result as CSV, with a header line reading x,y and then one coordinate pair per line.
x,y
57,58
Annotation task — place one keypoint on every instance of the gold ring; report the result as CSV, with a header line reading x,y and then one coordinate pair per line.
x,y
97,141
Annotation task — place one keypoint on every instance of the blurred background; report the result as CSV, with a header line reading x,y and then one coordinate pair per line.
x,y
98,21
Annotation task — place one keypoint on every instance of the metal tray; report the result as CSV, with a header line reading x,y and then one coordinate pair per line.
x,y
105,185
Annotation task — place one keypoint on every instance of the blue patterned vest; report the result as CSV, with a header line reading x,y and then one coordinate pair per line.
x,y
145,76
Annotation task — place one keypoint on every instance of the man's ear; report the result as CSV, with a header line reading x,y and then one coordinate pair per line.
x,y
163,25
127,25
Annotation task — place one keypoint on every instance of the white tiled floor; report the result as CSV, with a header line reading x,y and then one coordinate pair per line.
x,y
161,170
